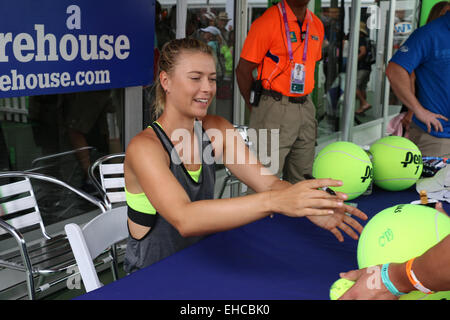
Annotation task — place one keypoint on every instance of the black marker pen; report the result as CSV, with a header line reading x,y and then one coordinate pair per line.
x,y
327,189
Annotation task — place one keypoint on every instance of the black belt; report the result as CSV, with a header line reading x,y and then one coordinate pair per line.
x,y
277,96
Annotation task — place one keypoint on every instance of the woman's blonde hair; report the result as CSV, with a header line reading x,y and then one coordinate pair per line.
x,y
170,52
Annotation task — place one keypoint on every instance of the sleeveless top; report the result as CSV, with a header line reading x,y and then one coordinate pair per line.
x,y
163,239
140,210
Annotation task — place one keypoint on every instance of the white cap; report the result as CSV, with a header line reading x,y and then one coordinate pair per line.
x,y
210,15
211,29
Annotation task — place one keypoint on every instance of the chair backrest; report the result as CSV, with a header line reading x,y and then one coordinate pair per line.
x,y
89,242
243,131
18,200
20,203
112,182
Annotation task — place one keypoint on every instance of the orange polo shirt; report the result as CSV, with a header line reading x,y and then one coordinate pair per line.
x,y
266,42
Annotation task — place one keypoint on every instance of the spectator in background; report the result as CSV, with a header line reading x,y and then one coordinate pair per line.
x,y
227,51
221,22
364,68
163,31
285,97
192,26
438,10
210,18
424,53
84,118
214,39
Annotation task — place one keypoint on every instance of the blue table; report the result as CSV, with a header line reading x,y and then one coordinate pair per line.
x,y
278,258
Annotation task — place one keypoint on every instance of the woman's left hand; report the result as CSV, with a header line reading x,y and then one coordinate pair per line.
x,y
341,219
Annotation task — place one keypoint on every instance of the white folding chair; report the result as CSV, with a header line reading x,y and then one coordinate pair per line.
x,y
19,211
110,183
89,242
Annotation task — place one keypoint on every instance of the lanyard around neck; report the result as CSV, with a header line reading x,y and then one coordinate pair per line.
x,y
288,33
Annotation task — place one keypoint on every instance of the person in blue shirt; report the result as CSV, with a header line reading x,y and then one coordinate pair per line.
x,y
427,53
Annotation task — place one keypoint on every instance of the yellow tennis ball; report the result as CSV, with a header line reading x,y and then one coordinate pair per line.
x,y
347,162
339,287
400,233
397,163
417,295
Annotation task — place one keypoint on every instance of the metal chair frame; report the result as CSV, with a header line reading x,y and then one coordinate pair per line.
x,y
104,185
230,179
30,256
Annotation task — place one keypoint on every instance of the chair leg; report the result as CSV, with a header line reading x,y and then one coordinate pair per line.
x,y
27,264
30,285
114,264
222,190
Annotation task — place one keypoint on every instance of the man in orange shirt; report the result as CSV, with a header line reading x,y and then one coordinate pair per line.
x,y
284,44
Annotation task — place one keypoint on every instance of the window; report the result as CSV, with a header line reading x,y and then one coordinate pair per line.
x,y
60,135
211,22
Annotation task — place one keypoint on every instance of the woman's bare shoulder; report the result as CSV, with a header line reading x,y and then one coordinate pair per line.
x,y
215,122
145,144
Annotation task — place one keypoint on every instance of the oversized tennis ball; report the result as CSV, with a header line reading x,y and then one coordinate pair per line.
x,y
399,233
417,295
339,287
347,162
397,163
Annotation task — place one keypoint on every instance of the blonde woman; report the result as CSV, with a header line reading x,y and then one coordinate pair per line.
x,y
170,190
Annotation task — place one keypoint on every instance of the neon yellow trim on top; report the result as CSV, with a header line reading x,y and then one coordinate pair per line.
x,y
140,202
195,175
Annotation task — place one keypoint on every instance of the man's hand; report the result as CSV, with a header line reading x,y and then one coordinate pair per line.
x,y
364,288
430,119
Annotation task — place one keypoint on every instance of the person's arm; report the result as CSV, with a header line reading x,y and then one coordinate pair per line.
x,y
244,77
431,269
245,166
413,82
406,121
146,161
401,85
362,52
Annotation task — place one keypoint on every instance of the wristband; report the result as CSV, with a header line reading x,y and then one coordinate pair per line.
x,y
387,282
413,279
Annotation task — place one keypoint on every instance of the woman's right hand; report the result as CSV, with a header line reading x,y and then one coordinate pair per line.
x,y
306,199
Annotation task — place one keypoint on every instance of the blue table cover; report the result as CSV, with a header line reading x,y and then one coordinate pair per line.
x,y
279,258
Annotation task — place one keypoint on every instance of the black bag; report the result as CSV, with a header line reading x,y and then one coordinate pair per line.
x,y
371,55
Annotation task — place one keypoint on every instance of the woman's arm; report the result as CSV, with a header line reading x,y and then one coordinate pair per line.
x,y
260,179
232,151
146,161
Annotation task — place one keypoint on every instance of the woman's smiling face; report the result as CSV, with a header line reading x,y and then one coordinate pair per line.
x,y
191,85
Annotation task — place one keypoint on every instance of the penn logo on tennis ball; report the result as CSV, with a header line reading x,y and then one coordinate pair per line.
x,y
368,174
398,209
411,158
